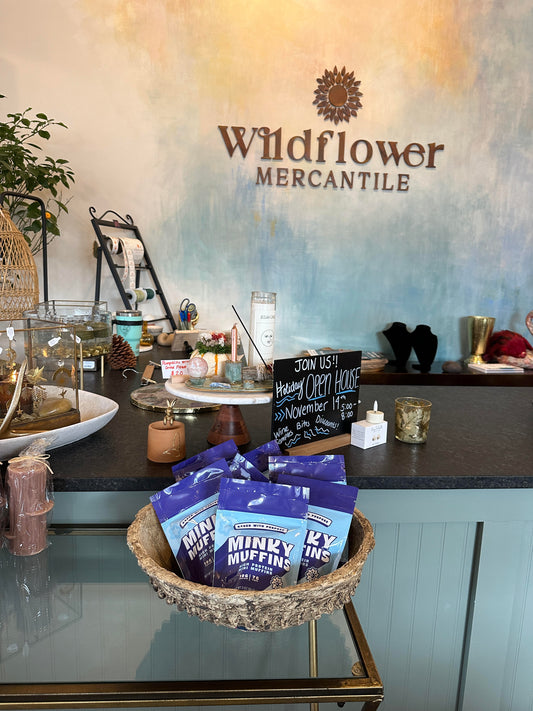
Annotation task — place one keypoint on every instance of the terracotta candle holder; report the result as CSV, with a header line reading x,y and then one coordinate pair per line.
x,y
166,442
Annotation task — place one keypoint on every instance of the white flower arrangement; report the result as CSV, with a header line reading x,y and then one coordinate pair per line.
x,y
212,342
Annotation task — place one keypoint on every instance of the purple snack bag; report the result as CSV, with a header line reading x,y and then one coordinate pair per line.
x,y
259,456
326,467
226,450
241,468
329,518
218,468
259,534
187,512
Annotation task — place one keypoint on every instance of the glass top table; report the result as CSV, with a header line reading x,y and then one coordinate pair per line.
x,y
81,627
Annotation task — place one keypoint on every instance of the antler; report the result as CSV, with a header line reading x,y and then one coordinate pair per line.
x,y
15,399
529,322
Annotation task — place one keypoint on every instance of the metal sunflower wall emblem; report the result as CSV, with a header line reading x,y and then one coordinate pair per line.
x,y
337,95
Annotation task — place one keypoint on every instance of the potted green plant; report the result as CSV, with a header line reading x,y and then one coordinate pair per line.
x,y
25,170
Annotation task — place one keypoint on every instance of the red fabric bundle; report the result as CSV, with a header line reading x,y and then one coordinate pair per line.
x,y
506,343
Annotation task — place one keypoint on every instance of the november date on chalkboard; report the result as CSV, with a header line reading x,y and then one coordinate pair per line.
x,y
314,397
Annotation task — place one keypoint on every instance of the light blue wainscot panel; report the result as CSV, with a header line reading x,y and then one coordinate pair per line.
x,y
499,673
446,598
413,604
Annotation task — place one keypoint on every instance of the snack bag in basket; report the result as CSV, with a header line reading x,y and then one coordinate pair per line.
x,y
259,534
327,467
187,512
259,456
225,450
329,517
241,468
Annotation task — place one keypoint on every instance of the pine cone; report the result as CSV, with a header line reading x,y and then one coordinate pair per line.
x,y
121,355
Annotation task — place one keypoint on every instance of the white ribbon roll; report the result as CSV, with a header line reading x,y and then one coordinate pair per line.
x,y
133,252
113,245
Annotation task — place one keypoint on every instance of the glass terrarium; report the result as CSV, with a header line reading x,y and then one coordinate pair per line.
x,y
91,320
39,368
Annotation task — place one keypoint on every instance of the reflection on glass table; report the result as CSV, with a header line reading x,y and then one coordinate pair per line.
x,y
80,625
32,605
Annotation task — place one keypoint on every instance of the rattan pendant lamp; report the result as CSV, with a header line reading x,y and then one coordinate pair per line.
x,y
19,282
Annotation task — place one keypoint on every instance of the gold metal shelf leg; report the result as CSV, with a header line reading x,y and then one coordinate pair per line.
x,y
313,657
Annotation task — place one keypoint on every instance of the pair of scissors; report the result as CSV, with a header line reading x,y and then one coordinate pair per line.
x,y
187,307
187,311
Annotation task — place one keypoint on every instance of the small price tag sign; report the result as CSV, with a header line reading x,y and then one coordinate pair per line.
x,y
174,367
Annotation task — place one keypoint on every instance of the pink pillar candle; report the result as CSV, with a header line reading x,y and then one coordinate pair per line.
x,y
28,505
234,342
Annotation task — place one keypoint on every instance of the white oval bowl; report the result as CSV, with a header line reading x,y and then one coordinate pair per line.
x,y
95,410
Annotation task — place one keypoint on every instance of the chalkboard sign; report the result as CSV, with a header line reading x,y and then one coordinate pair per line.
x,y
314,397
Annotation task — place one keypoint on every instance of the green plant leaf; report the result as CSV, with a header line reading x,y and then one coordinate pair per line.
x,y
24,170
33,210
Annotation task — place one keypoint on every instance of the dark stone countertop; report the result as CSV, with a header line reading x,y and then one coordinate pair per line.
x,y
478,438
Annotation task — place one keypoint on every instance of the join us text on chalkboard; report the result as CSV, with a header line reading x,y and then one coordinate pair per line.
x,y
314,397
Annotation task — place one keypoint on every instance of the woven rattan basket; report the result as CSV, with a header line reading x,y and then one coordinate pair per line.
x,y
19,283
253,610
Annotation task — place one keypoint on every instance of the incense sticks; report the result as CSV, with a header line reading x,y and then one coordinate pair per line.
x,y
251,339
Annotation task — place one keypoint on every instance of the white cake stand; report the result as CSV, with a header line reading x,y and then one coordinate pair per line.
x,y
229,422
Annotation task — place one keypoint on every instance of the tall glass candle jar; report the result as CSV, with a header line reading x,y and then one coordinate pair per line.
x,y
262,324
129,325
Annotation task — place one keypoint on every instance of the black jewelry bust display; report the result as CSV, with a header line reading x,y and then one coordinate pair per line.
x,y
425,345
400,339
422,340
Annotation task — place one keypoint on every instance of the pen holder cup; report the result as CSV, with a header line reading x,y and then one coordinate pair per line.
x,y
267,610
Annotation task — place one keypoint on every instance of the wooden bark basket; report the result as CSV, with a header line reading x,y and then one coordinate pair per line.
x,y
254,610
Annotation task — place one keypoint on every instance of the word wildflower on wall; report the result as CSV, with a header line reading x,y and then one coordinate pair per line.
x,y
359,163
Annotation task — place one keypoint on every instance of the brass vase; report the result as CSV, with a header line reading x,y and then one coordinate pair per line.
x,y
479,332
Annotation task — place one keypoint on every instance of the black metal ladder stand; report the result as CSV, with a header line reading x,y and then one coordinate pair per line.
x,y
146,265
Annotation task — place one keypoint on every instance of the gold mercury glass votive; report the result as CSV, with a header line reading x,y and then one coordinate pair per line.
x,y
411,419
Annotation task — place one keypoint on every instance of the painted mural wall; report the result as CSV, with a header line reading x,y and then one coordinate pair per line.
x,y
402,196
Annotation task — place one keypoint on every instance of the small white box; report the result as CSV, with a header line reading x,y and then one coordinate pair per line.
x,y
368,434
